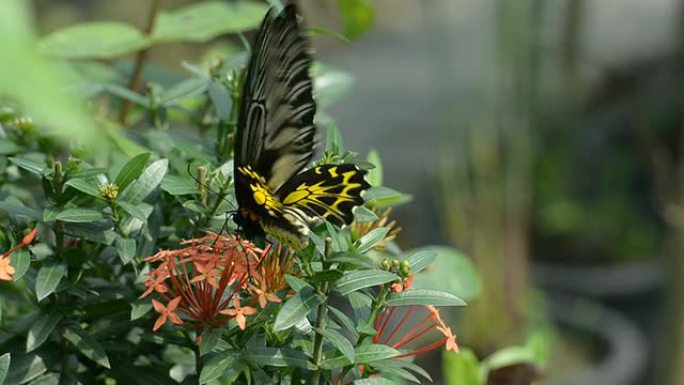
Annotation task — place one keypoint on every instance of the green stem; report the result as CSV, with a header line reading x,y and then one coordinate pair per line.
x,y
198,359
320,319
140,59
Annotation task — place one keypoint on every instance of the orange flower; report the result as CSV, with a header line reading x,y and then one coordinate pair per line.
x,y
166,312
6,270
209,275
405,327
239,313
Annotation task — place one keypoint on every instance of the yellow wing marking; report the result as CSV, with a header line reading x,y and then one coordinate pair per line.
x,y
261,194
310,195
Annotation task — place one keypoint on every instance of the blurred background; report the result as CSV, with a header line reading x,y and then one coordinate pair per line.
x,y
542,138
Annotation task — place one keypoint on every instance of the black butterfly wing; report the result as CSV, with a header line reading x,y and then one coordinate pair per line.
x,y
275,132
330,192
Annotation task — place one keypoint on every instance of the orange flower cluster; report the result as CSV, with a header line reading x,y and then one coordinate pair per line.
x,y
7,270
400,326
213,280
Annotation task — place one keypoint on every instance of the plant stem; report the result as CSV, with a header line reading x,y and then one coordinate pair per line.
x,y
198,359
140,59
320,319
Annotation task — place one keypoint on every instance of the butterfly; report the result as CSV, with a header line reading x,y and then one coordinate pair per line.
x,y
275,138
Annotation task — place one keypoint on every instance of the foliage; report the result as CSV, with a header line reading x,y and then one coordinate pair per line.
x,y
112,273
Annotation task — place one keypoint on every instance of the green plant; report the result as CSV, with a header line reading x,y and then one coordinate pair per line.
x,y
125,216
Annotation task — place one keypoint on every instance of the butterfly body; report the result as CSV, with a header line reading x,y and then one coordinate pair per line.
x,y
275,142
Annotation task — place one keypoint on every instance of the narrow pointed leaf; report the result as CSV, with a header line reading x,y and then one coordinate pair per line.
x,y
210,338
48,278
366,354
40,331
371,239
297,307
374,381
5,360
78,215
203,21
131,170
338,341
361,279
139,309
213,369
85,187
94,40
421,259
21,261
424,297
87,345
126,248
147,182
279,358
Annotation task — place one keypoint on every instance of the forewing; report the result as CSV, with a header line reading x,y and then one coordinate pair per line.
x,y
330,192
275,133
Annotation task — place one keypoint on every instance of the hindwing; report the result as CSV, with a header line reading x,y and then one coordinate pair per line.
x,y
330,192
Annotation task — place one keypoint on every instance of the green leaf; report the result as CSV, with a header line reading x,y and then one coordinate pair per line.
x,y
374,381
48,278
375,175
363,215
21,261
366,354
94,40
221,99
330,275
78,215
87,172
424,297
279,358
185,89
28,164
178,185
343,320
354,259
421,259
139,309
203,21
7,147
126,94
451,271
330,86
24,368
87,345
333,141
461,368
40,331
14,208
381,197
213,369
357,16
131,170
150,178
297,284
210,338
361,279
338,341
5,360
126,248
46,379
135,211
297,307
85,187
371,239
